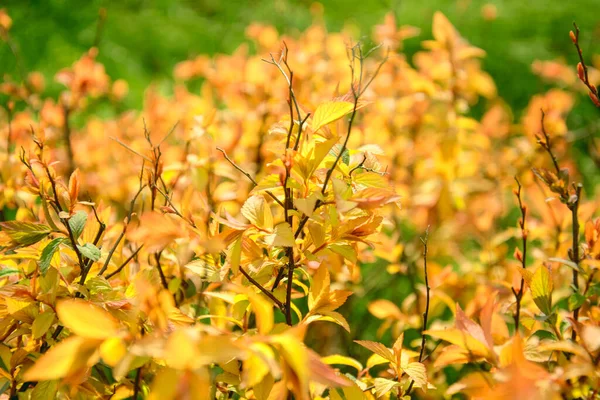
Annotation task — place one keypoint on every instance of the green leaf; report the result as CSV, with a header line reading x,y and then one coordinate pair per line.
x,y
576,300
25,233
90,251
77,223
48,253
45,390
8,271
541,290
42,323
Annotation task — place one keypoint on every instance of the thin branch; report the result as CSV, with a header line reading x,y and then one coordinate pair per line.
x,y
574,254
122,234
425,242
131,257
546,145
523,255
249,176
263,289
582,69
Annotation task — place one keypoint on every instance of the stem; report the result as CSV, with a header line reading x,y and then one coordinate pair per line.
x,y
67,133
247,175
124,263
519,295
574,207
263,289
163,279
427,301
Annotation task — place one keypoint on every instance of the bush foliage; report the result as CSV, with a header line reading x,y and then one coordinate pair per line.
x,y
208,246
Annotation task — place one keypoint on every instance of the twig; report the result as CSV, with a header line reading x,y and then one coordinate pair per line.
x,y
582,69
425,242
112,250
131,257
546,145
263,289
574,207
523,255
249,176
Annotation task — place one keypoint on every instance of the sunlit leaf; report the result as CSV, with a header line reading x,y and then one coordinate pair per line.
x,y
86,319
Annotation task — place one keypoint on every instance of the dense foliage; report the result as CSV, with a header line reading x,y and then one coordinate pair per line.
x,y
207,246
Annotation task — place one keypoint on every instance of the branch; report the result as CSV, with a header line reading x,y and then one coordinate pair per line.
x,y
523,256
425,241
248,176
263,289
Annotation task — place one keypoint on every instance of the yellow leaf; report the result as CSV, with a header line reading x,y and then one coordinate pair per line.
x,y
384,309
112,351
383,386
64,359
541,290
378,349
443,31
295,355
282,236
257,211
417,372
329,112
86,319
235,255
342,360
263,310
42,323
461,339
156,231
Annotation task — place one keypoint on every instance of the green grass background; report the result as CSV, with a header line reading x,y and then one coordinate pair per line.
x,y
142,40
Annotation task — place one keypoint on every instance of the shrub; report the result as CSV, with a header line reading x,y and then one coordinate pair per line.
x,y
207,246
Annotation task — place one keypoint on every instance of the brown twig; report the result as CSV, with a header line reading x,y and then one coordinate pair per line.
x,y
523,255
263,289
425,242
120,268
247,175
582,69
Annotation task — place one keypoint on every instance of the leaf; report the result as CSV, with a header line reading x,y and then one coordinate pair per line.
x,y
263,310
90,251
86,319
256,210
461,339
74,186
42,323
45,390
383,386
5,271
576,300
342,360
384,309
329,112
378,349
417,372
25,233
282,236
48,253
205,268
77,223
156,231
541,290
62,360
235,255
307,205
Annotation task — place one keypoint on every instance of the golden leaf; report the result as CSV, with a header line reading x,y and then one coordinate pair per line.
x,y
86,319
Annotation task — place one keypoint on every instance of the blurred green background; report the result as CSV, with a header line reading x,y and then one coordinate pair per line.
x,y
142,40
